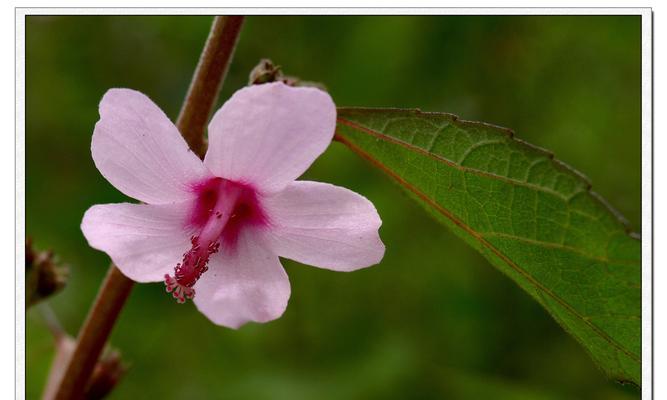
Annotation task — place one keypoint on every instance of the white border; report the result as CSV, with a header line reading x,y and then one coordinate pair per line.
x,y
332,11
20,208
647,210
647,145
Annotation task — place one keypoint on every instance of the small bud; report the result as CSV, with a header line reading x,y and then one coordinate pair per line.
x,y
44,274
264,72
108,370
107,373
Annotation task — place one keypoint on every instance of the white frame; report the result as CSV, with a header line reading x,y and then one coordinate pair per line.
x,y
646,112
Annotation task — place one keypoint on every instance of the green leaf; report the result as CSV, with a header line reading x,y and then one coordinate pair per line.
x,y
533,217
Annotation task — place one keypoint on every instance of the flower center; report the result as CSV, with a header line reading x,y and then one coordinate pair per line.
x,y
222,209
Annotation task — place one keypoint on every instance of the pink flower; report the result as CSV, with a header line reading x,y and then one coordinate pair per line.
x,y
213,230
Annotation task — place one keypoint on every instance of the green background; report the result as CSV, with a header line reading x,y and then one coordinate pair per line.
x,y
434,319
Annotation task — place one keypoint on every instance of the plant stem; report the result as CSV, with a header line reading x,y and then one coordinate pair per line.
x,y
93,335
208,78
51,320
116,287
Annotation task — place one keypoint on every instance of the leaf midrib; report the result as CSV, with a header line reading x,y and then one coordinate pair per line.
x,y
476,235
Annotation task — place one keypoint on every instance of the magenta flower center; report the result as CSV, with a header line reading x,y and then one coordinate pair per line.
x,y
223,208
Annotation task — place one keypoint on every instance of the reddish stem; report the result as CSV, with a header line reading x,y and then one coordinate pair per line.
x,y
206,83
94,333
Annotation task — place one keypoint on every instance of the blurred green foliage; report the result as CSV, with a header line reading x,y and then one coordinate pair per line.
x,y
433,320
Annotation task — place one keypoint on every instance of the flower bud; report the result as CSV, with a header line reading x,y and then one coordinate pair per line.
x,y
107,373
264,72
45,276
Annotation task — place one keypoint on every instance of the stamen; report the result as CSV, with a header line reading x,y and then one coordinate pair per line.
x,y
187,272
177,290
221,210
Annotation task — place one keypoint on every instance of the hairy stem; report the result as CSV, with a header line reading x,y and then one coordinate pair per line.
x,y
116,288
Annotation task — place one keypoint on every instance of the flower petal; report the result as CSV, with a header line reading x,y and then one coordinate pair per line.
x,y
144,241
139,151
268,135
325,225
246,285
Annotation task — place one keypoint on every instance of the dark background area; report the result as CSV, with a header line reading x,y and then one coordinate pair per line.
x,y
434,319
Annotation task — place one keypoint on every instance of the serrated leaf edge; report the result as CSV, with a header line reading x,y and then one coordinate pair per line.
x,y
568,169
505,131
